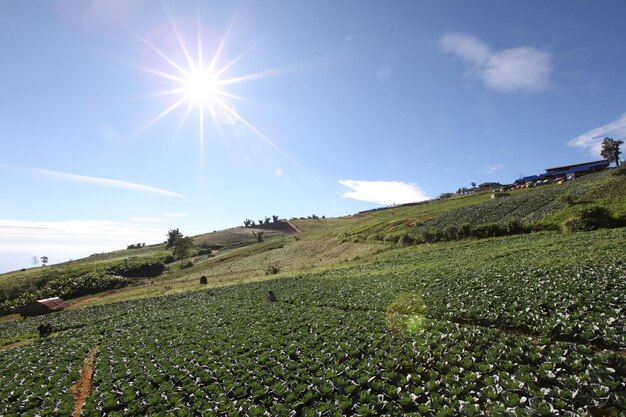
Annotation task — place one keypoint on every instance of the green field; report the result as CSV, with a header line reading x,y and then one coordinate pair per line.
x,y
527,324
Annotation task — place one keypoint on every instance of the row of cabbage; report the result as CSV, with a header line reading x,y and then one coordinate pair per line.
x,y
525,207
36,379
236,354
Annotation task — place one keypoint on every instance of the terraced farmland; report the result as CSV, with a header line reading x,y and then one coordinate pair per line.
x,y
504,329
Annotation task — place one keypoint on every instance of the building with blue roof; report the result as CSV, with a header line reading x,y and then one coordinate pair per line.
x,y
567,171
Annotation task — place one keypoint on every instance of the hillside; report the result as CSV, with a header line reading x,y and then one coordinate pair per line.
x,y
235,256
370,320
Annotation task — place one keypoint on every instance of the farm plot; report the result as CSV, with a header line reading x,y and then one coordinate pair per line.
x,y
391,337
233,353
525,207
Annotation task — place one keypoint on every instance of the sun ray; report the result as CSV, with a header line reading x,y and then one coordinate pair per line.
x,y
160,53
201,114
162,74
163,114
267,140
183,47
190,106
218,52
232,62
234,96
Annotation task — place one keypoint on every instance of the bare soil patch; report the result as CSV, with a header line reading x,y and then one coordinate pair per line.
x,y
82,388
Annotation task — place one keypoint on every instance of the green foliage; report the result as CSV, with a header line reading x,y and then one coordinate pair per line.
x,y
610,150
136,246
182,247
590,218
619,171
258,236
67,286
467,230
567,199
172,237
137,267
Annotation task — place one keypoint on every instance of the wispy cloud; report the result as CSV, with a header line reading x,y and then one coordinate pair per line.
x,y
491,169
383,192
105,182
591,141
83,230
523,69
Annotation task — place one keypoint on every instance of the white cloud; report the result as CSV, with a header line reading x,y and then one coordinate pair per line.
x,y
383,192
106,182
591,141
524,69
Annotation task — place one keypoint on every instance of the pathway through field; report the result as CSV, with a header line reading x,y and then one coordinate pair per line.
x,y
82,388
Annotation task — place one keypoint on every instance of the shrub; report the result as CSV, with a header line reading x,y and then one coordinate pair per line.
x,y
169,259
591,218
186,265
619,171
203,251
567,199
203,279
272,269
405,240
134,269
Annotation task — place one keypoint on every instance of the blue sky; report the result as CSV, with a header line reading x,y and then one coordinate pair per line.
x,y
325,107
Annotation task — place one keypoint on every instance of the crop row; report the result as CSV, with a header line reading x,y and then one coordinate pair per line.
x,y
36,379
243,356
525,207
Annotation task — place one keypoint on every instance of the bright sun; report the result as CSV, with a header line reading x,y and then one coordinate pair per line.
x,y
197,83
202,87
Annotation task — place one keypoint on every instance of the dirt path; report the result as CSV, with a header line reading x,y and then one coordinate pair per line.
x,y
82,388
294,227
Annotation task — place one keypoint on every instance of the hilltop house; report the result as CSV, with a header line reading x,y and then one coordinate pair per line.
x,y
488,186
39,307
567,171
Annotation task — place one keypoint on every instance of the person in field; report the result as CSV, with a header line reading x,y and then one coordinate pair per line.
x,y
44,330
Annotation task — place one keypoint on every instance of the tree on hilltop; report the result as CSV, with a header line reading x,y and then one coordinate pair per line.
x,y
172,236
610,150
44,260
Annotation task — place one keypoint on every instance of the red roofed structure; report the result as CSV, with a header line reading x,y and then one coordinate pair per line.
x,y
39,307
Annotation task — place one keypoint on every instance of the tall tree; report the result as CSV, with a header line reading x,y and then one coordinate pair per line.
x,y
610,150
44,260
182,247
172,236
35,260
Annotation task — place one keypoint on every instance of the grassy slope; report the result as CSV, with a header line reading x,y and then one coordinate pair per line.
x,y
323,243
